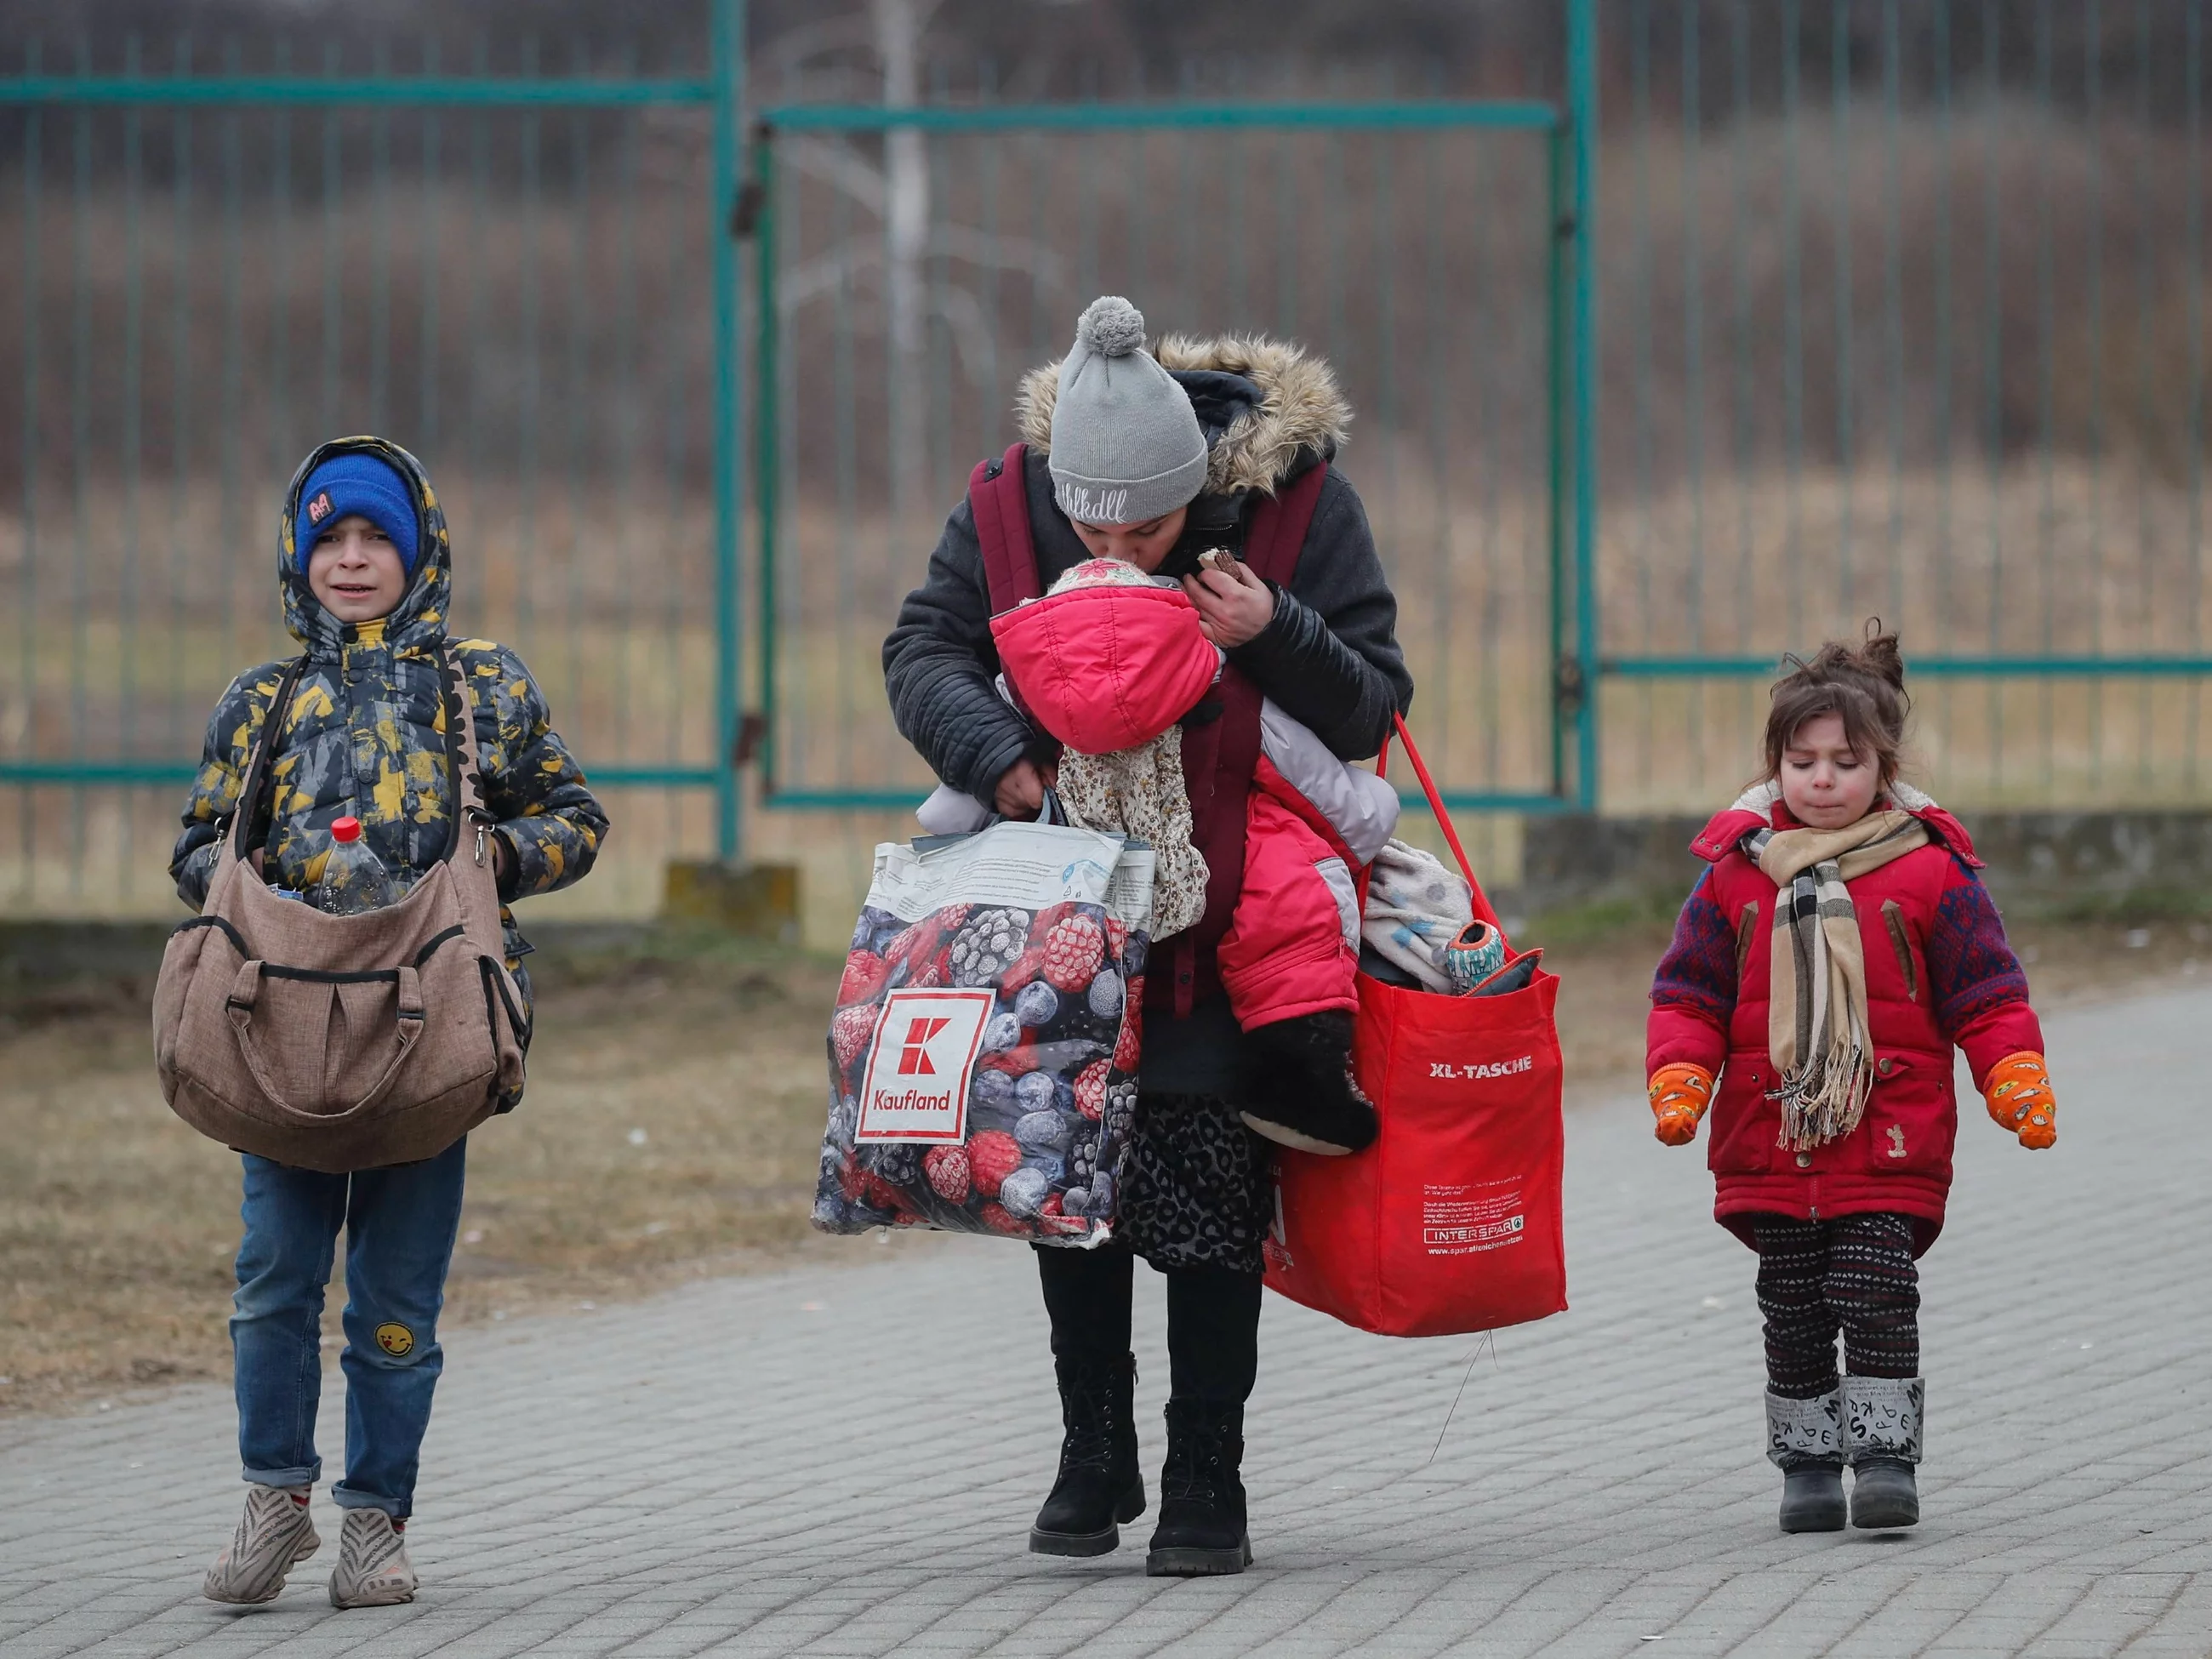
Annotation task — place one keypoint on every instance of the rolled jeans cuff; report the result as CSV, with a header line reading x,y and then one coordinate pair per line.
x,y
352,1498
286,1480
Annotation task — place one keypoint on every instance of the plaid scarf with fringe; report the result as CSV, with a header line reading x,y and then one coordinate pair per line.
x,y
1817,1032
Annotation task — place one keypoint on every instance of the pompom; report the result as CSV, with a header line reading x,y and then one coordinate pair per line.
x,y
1110,326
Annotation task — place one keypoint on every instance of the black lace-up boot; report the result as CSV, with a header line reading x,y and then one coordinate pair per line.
x,y
1100,1484
1201,1529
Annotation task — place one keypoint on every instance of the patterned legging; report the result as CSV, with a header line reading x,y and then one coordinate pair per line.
x,y
1854,1273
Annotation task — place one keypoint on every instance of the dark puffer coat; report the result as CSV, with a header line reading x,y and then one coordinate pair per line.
x,y
365,736
1330,657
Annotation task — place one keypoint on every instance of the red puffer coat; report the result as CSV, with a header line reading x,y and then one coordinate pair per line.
x,y
1939,973
1108,668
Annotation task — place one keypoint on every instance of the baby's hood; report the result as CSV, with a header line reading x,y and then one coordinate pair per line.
x,y
1106,664
416,626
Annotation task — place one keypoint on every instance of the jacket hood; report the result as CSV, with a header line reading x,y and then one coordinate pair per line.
x,y
1104,669
1761,807
1302,416
416,626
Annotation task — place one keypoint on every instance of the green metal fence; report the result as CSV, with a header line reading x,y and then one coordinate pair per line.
x,y
892,333
521,269
1904,305
1844,307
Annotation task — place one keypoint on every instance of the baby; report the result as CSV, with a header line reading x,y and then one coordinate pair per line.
x,y
1108,663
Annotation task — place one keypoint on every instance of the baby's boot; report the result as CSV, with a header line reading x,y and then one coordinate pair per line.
x,y
1882,1442
1804,1440
1295,1086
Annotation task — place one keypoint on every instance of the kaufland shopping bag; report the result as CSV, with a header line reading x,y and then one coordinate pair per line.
x,y
984,1053
1450,1222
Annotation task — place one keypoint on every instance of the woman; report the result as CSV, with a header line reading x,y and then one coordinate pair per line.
x,y
1214,443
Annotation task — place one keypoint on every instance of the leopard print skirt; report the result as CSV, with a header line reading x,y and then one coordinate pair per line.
x,y
1199,1189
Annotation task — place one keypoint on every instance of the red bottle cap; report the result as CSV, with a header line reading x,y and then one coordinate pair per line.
x,y
346,830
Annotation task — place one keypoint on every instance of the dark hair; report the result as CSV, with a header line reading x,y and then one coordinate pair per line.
x,y
1864,683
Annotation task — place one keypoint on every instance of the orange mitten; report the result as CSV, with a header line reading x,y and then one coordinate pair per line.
x,y
2018,1089
1679,1095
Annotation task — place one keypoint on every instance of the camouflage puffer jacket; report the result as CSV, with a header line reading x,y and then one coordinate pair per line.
x,y
365,735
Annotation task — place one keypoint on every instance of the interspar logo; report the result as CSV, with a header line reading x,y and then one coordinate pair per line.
x,y
916,1087
1483,1068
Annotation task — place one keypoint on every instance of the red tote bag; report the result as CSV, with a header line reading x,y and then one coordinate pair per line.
x,y
1450,1222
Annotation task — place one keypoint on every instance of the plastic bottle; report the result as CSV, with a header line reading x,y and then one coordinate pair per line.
x,y
353,878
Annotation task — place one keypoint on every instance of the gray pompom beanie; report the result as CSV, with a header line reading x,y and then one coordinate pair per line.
x,y
1126,445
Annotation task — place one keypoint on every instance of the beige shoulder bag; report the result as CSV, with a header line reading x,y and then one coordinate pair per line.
x,y
344,1042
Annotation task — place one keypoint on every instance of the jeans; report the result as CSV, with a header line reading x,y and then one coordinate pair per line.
x,y
399,1225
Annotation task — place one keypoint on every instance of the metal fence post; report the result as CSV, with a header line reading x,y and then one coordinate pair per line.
x,y
1581,116
728,71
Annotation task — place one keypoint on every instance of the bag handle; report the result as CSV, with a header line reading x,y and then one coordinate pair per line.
x,y
1481,900
245,995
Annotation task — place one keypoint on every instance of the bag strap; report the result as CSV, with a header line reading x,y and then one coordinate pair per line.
x,y
247,816
464,768
1481,900
999,500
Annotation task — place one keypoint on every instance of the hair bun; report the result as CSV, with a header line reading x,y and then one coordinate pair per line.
x,y
1110,326
1880,656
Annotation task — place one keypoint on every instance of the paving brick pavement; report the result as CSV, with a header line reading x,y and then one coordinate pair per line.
x,y
844,1461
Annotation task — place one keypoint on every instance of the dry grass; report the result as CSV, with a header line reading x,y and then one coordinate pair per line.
x,y
118,1223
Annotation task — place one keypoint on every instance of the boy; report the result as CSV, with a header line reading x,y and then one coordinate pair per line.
x,y
365,571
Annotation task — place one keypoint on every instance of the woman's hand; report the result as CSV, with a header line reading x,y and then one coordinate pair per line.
x,y
1020,794
1234,605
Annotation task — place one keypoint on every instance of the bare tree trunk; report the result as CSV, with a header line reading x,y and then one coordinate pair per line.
x,y
898,27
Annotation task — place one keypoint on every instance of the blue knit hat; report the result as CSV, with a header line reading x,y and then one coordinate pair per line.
x,y
357,481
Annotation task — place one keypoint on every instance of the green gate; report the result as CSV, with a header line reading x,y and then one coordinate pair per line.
x,y
522,271
911,262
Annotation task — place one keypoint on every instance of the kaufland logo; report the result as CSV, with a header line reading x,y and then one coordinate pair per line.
x,y
916,1087
914,1048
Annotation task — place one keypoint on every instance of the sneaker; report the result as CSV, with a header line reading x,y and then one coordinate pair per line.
x,y
274,1533
372,1570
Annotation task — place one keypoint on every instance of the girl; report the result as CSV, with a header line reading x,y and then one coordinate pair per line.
x,y
1151,461
1824,968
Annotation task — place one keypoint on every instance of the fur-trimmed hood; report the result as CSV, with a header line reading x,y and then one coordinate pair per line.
x,y
1301,410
